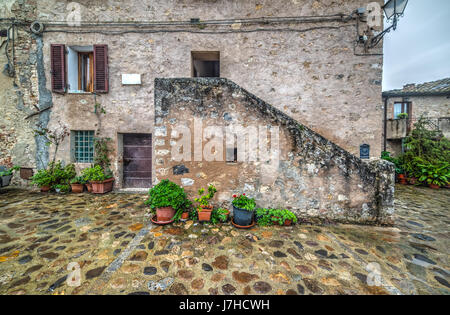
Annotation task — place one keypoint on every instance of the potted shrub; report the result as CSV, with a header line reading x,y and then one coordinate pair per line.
x,y
6,175
282,216
435,175
402,116
102,182
187,211
243,210
77,184
263,217
204,208
167,200
219,215
61,188
43,179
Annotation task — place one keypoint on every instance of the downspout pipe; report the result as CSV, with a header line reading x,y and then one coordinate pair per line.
x,y
385,123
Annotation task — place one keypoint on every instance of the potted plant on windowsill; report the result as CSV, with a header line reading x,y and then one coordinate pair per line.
x,y
168,201
243,210
204,208
77,184
101,181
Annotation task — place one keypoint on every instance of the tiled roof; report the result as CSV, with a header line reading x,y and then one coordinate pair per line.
x,y
439,87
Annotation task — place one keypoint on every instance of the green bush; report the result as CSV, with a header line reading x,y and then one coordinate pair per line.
x,y
42,178
168,194
96,173
203,200
268,217
244,202
426,156
219,215
63,188
55,174
78,180
437,174
10,171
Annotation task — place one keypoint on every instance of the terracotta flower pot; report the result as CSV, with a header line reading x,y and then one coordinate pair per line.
x,y
45,188
204,214
286,222
185,216
77,188
165,214
104,186
434,186
402,179
89,187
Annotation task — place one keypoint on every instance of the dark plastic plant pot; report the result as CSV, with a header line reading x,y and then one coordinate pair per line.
x,y
242,217
5,180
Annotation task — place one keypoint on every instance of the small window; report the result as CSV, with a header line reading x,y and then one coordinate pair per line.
x,y
83,145
401,108
232,155
80,69
206,64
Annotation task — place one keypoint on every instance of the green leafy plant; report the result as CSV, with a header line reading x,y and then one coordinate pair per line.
x,y
402,116
203,200
96,173
168,194
398,165
219,215
263,217
101,152
437,174
281,215
78,180
63,188
10,171
244,202
55,174
42,178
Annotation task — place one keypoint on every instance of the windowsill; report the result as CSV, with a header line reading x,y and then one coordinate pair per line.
x,y
79,93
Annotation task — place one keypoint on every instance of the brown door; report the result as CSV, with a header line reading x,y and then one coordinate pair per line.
x,y
137,160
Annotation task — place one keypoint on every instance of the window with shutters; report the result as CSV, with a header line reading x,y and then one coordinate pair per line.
x,y
79,69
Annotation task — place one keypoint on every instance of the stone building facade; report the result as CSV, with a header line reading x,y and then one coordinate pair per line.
x,y
430,100
307,64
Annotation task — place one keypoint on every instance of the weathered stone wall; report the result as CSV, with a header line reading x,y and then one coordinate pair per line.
x,y
429,106
315,178
313,76
19,94
437,108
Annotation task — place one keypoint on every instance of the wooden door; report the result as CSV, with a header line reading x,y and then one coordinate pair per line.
x,y
137,160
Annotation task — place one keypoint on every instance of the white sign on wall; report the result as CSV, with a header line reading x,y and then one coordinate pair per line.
x,y
131,78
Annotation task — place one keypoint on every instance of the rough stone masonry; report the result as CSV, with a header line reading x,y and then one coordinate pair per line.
x,y
315,178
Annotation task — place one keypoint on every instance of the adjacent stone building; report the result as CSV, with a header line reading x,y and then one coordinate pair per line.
x,y
91,66
430,100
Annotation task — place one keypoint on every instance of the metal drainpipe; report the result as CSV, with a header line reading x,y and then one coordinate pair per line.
x,y
385,123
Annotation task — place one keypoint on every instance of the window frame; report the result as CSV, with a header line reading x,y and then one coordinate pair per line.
x,y
90,134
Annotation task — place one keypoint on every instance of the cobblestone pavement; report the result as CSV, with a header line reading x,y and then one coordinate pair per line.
x,y
120,252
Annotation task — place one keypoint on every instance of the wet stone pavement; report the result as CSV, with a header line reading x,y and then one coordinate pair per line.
x,y
116,249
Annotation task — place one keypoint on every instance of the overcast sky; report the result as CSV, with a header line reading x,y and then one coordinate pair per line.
x,y
419,50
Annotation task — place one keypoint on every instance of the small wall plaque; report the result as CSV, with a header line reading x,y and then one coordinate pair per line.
x,y
131,79
364,151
